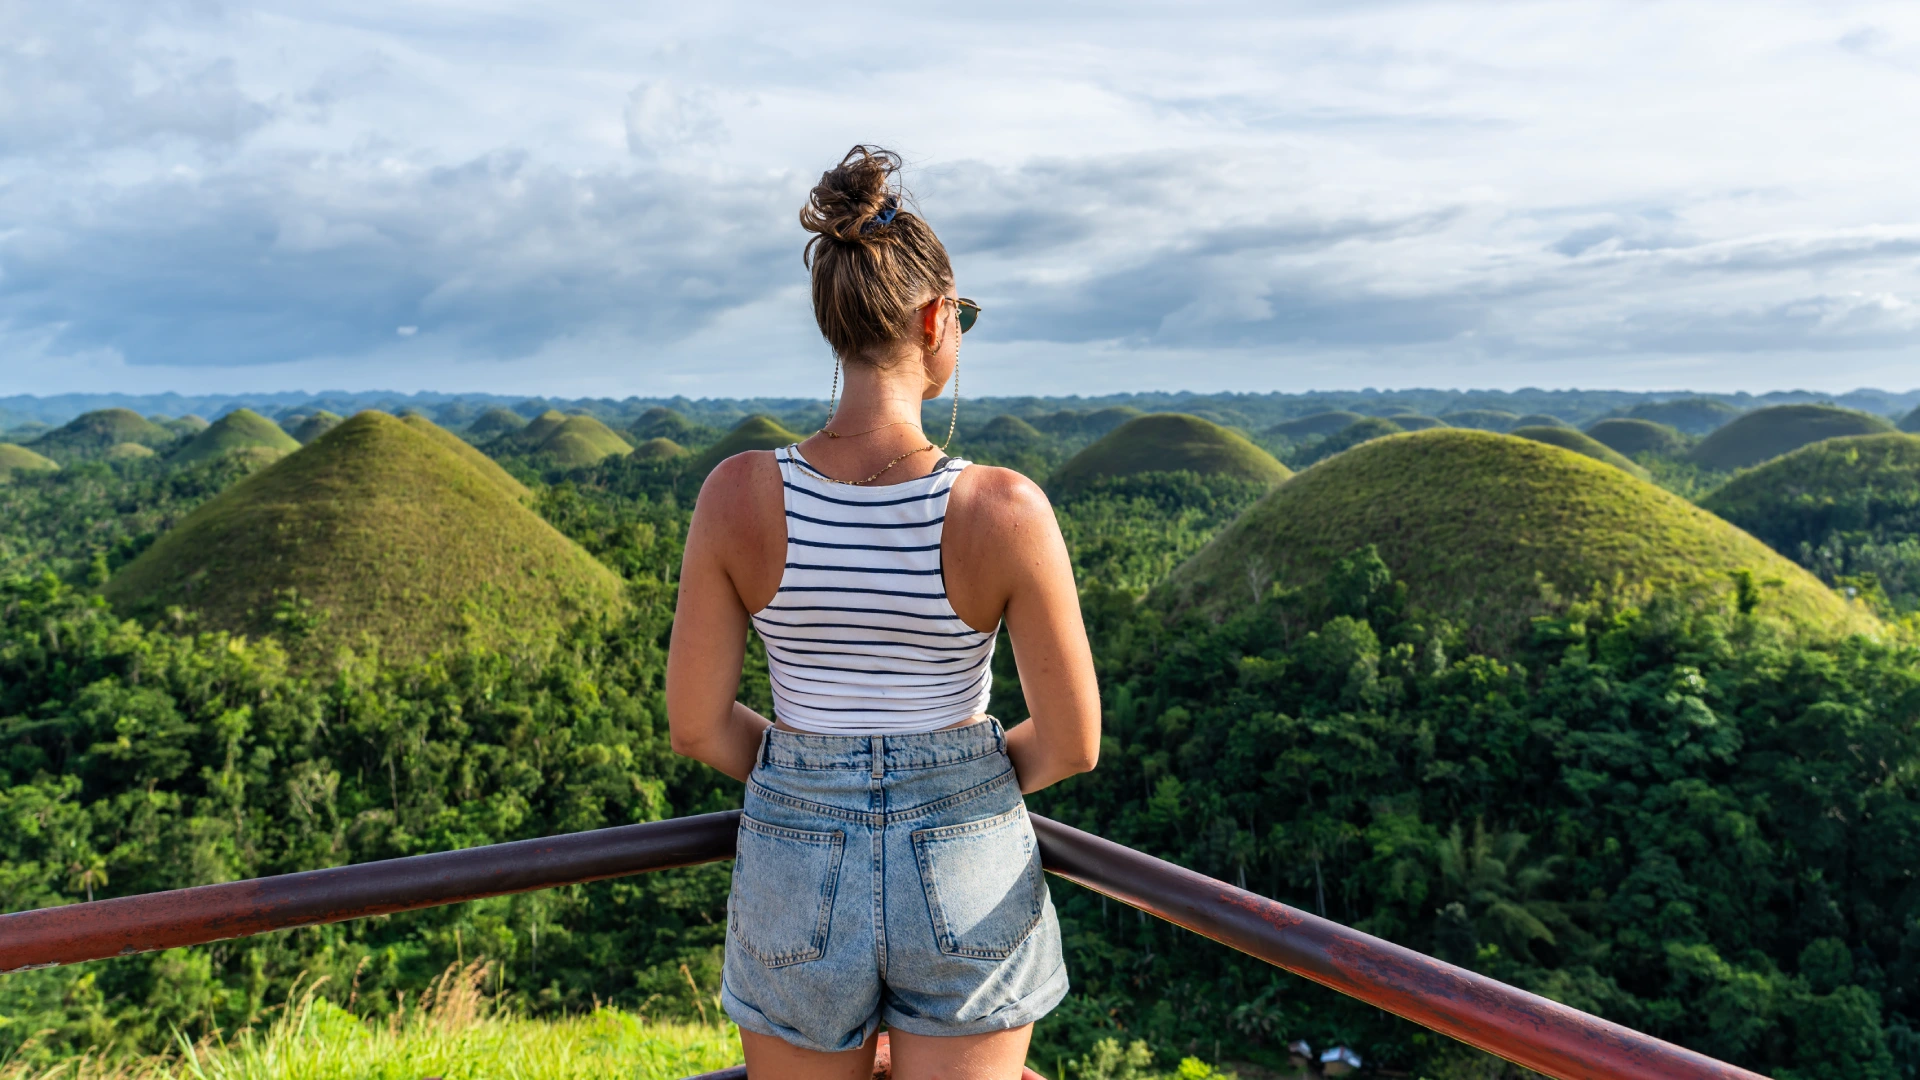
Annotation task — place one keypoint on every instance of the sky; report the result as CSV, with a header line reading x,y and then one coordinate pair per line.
x,y
574,198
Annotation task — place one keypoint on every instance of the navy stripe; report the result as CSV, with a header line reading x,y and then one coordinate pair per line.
x,y
771,649
862,626
941,679
884,502
869,524
865,611
904,644
861,547
875,592
956,697
860,569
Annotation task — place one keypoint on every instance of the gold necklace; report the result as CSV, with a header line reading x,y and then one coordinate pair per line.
x,y
878,475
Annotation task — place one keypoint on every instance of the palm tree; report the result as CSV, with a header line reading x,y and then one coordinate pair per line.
x,y
87,872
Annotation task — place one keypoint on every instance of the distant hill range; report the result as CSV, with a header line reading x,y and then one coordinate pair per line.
x,y
382,529
1765,434
1488,531
1863,487
1169,442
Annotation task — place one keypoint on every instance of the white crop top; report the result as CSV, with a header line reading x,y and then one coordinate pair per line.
x,y
860,638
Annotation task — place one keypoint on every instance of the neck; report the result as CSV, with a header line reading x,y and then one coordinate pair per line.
x,y
874,396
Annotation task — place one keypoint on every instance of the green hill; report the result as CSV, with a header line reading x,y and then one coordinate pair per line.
x,y
1539,420
1693,416
1912,422
1475,524
661,422
387,530
1008,429
1365,429
1765,434
1169,442
1867,486
753,433
185,425
19,459
92,434
1567,438
658,450
128,451
1632,437
1098,422
315,425
1482,419
581,440
1321,423
241,429
494,423
538,430
480,462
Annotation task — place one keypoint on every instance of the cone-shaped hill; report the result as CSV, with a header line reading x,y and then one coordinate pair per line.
x,y
658,450
660,422
1630,437
1482,419
390,531
19,459
1866,485
1008,429
1567,438
582,440
1537,420
239,430
1474,523
1694,416
189,424
1168,442
128,451
1320,423
753,433
315,425
481,463
1912,422
1765,434
93,434
1416,422
494,423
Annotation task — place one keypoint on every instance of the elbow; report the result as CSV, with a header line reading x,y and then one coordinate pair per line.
x,y
1085,761
684,743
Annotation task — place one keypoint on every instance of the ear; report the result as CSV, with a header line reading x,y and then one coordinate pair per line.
x,y
930,322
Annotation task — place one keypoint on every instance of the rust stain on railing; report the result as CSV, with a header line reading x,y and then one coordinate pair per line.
x,y
1523,1028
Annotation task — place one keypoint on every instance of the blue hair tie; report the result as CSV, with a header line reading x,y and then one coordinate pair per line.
x,y
884,217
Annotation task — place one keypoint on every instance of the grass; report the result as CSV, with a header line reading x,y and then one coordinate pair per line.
x,y
1635,437
658,449
661,422
1169,442
128,451
494,423
1539,420
581,440
19,459
1764,434
454,1035
1009,429
241,429
1416,422
1865,483
753,433
1567,438
1320,423
1482,419
1694,416
382,527
92,434
1489,531
485,465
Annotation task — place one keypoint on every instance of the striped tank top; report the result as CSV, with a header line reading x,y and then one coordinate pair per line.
x,y
860,638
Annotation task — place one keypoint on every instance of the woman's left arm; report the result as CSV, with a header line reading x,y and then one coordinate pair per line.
x,y
710,637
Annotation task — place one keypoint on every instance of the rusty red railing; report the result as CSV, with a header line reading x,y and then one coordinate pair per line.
x,y
1523,1028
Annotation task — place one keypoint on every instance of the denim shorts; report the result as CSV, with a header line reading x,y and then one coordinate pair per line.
x,y
888,879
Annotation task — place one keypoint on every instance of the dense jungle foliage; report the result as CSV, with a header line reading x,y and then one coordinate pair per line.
x,y
1673,815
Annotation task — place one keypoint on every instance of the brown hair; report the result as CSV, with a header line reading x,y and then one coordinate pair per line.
x,y
871,268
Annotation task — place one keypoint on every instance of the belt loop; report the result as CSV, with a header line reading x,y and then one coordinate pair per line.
x,y
879,750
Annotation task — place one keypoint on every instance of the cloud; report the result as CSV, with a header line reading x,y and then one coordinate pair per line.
x,y
661,117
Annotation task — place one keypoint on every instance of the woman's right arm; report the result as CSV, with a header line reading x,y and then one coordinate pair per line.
x,y
710,631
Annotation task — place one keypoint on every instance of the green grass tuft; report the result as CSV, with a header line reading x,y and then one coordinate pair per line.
x,y
383,528
1567,438
1765,434
1169,442
19,459
241,429
1633,437
1489,531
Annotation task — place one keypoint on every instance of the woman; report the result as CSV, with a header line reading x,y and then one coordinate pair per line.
x,y
887,872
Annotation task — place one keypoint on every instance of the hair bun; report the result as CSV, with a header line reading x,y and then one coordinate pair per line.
x,y
854,197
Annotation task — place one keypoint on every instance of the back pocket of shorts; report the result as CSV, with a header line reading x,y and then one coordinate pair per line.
x,y
983,882
783,885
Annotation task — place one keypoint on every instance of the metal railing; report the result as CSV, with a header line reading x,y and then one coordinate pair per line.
x,y
1523,1028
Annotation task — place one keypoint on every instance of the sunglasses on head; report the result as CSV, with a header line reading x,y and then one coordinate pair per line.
x,y
966,310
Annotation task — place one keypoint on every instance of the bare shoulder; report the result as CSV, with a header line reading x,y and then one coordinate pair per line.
x,y
736,495
995,503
